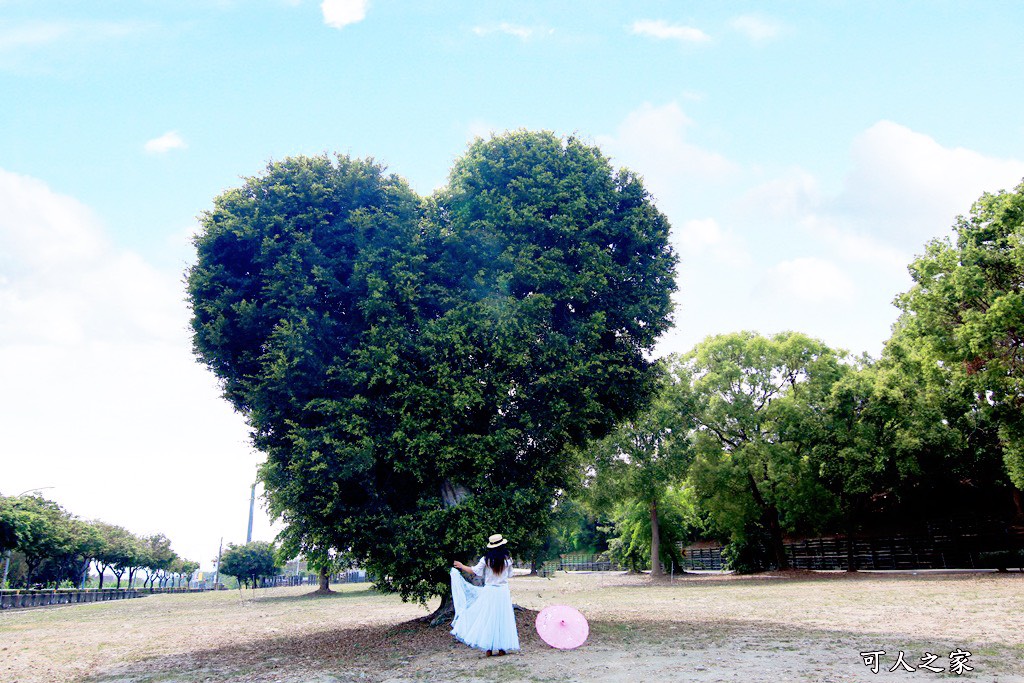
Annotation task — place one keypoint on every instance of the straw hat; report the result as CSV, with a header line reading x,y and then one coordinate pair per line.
x,y
496,540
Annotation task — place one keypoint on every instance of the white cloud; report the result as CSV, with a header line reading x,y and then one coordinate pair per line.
x,y
757,28
522,32
102,399
823,260
705,238
663,30
652,140
791,194
912,187
22,44
341,13
903,189
15,37
165,143
62,282
812,280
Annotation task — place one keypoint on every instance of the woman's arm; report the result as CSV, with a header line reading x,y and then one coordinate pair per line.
x,y
462,568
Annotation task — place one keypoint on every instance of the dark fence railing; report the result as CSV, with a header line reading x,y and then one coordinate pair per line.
x,y
702,559
981,545
575,562
902,552
582,562
350,576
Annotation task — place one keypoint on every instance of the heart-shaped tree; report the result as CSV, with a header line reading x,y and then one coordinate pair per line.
x,y
421,373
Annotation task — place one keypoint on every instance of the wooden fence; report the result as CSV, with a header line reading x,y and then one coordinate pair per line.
x,y
702,559
583,562
940,546
350,576
902,552
575,562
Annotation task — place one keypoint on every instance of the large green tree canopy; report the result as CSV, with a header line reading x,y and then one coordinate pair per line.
x,y
754,399
422,372
967,304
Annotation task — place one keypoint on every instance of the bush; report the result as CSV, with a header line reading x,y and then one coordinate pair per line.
x,y
749,552
1002,560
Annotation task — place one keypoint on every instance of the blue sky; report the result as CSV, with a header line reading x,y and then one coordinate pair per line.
x,y
803,152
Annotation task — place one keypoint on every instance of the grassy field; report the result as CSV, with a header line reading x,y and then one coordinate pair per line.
x,y
797,627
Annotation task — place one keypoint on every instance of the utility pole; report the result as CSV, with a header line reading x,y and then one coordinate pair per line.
x,y
252,505
216,573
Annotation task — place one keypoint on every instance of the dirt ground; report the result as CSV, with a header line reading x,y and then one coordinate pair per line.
x,y
793,627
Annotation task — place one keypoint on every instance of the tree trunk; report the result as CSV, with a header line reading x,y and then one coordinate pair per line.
x,y
30,569
102,572
325,581
851,531
656,571
851,556
1018,502
444,613
778,547
771,515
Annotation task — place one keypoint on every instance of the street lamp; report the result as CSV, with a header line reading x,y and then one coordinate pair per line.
x,y
7,555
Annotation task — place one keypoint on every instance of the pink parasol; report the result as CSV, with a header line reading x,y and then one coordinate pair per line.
x,y
562,627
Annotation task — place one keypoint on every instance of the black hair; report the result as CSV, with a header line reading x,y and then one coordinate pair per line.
x,y
495,558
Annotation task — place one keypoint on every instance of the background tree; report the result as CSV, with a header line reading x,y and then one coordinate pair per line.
x,y
115,551
753,399
10,524
182,570
250,562
75,545
967,304
640,463
158,558
13,527
574,528
187,569
420,378
48,532
677,523
138,556
319,555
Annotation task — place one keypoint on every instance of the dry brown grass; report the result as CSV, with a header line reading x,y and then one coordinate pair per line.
x,y
703,628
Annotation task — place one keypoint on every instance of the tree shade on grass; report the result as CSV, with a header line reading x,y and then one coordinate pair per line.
x,y
422,372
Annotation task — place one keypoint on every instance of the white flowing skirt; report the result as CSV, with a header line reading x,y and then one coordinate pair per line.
x,y
484,618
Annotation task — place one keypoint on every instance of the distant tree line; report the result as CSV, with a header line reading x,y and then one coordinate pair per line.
x,y
43,544
753,437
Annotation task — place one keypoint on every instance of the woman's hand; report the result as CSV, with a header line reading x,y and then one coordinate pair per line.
x,y
461,567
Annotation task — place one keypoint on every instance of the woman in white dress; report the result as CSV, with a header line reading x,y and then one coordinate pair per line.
x,y
484,617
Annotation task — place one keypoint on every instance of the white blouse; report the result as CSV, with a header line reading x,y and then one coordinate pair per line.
x,y
481,568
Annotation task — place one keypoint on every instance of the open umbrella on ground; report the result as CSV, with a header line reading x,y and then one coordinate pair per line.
x,y
562,627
